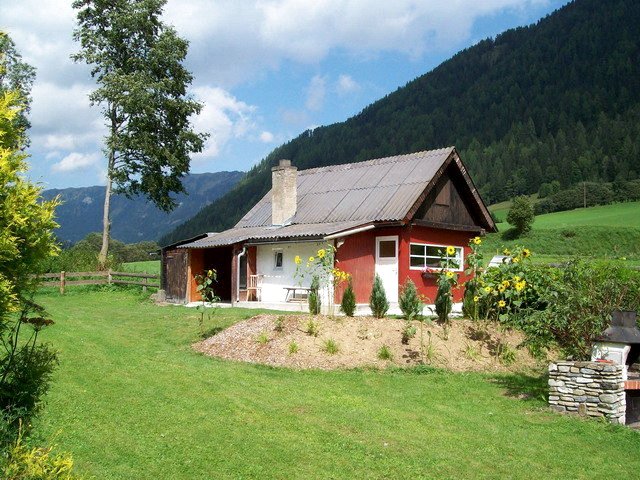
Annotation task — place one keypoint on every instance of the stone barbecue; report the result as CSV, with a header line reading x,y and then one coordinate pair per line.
x,y
607,386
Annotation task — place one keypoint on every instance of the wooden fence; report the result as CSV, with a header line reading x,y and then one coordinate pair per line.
x,y
65,279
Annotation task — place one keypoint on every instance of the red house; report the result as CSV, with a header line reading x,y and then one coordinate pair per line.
x,y
391,216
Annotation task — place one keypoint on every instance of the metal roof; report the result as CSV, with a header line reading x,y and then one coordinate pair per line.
x,y
338,198
383,189
236,235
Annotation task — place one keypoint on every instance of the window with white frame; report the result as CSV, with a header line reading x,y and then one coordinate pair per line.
x,y
277,259
424,255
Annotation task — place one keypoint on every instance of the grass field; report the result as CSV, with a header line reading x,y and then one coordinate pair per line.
x,y
131,400
609,231
150,266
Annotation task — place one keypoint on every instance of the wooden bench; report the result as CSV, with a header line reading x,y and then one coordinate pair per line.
x,y
291,294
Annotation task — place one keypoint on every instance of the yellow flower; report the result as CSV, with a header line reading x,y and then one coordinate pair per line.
x,y
477,241
515,259
520,285
501,288
311,259
502,303
526,252
506,252
487,289
449,274
476,298
210,273
298,260
516,278
321,253
451,250
505,283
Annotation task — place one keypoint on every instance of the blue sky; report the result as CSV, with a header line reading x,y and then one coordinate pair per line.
x,y
266,70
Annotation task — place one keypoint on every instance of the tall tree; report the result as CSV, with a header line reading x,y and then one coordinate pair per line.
x,y
16,76
142,89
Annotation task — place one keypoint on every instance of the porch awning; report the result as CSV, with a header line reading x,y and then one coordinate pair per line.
x,y
237,235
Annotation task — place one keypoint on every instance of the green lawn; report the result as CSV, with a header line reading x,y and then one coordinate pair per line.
x,y
131,400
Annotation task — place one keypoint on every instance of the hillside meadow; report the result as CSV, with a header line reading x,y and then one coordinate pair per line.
x,y
609,231
132,399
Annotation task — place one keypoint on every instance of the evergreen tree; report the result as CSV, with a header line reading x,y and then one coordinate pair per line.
x,y
378,300
348,304
409,301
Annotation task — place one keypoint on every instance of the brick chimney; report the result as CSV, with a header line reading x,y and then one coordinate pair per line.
x,y
284,192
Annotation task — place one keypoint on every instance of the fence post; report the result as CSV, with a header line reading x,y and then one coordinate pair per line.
x,y
62,282
145,280
109,277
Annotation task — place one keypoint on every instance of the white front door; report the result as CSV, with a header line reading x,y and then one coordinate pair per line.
x,y
387,265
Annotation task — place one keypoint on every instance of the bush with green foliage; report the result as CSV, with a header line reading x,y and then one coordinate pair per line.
x,y
410,302
378,299
521,215
315,303
563,308
22,462
26,242
348,304
447,280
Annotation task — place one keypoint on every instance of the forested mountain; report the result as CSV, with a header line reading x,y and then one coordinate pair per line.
x,y
557,100
135,219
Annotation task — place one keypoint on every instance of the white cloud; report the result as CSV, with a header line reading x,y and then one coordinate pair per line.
x,y
316,93
266,137
76,161
224,117
346,84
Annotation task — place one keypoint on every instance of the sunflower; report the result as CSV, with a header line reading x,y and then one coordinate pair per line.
x,y
298,260
451,250
502,304
311,259
477,241
321,253
487,289
449,274
526,252
476,298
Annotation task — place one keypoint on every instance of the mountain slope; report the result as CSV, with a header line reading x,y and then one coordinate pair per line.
x,y
135,219
555,101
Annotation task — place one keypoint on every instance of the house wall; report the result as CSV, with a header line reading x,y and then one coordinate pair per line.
x,y
275,279
356,256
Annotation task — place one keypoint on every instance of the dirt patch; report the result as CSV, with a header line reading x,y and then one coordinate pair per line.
x,y
464,346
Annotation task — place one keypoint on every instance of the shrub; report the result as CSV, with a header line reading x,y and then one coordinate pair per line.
x,y
293,347
385,353
378,300
312,328
330,346
521,215
409,301
408,332
348,304
263,338
314,297
562,308
279,324
32,463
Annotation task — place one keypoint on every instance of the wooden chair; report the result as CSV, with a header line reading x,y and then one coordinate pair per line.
x,y
255,285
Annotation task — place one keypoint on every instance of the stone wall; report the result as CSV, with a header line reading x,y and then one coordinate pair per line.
x,y
595,389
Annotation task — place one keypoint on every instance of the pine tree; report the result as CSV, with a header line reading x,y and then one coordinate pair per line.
x,y
348,304
378,300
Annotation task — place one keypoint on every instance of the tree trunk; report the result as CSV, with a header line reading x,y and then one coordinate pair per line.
x,y
106,225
